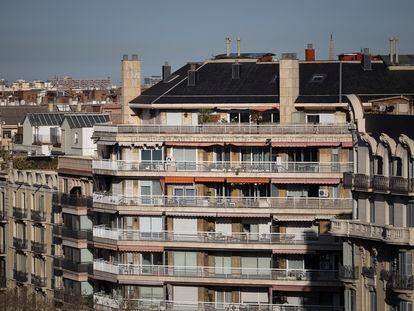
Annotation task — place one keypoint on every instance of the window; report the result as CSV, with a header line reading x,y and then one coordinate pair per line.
x,y
76,138
223,298
397,163
410,214
65,185
379,165
391,214
222,264
239,117
350,299
372,211
373,300
312,118
405,264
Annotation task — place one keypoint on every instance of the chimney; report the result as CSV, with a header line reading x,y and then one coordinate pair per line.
x,y
288,86
238,47
366,60
166,72
192,75
310,53
391,39
396,39
228,47
131,85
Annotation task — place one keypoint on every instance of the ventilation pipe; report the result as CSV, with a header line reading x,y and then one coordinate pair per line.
x,y
391,39
396,39
238,47
228,47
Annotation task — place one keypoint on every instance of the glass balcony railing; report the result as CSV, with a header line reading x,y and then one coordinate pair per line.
x,y
225,202
232,167
216,272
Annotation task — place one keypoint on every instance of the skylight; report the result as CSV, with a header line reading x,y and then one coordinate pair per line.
x,y
318,77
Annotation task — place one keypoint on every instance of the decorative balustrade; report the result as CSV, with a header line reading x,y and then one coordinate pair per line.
x,y
233,167
362,182
349,272
380,183
220,128
226,202
216,272
401,282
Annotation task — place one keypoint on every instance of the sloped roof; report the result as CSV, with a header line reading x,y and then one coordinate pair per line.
x,y
86,120
13,115
392,125
45,119
258,83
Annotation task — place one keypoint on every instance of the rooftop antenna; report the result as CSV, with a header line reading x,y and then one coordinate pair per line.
x,y
331,53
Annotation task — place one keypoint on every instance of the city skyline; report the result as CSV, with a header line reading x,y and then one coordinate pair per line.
x,y
49,38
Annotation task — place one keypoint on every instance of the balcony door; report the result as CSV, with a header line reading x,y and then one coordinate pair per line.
x,y
151,227
185,263
223,298
174,118
222,265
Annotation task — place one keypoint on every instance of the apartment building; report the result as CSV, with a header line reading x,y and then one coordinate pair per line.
x,y
218,189
378,249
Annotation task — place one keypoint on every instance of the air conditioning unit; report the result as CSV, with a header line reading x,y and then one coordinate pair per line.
x,y
323,193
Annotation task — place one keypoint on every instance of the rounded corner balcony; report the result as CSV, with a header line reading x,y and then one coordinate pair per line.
x,y
400,283
75,202
349,274
222,205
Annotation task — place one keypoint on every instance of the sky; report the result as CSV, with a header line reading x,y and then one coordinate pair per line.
x,y
86,39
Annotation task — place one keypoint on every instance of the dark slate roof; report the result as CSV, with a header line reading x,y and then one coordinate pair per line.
x,y
13,115
258,83
86,120
392,125
403,59
377,83
45,119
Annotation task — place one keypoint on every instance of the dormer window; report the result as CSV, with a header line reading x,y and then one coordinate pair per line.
x,y
318,78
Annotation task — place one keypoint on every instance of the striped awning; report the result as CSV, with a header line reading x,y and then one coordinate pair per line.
x,y
209,179
178,180
248,180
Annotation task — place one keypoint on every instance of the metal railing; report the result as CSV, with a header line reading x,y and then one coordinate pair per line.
x,y
368,272
206,237
226,202
39,247
401,184
234,167
20,244
38,216
216,272
231,128
38,281
362,181
380,183
75,201
79,234
79,267
19,213
118,302
401,282
3,215
20,276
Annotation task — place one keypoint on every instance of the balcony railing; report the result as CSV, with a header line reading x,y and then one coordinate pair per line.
x,y
38,281
362,182
19,213
234,167
20,276
3,215
226,202
220,128
401,282
39,247
209,237
79,234
57,229
20,244
38,216
118,302
58,261
357,229
401,184
216,272
79,267
76,202
349,272
368,272
380,183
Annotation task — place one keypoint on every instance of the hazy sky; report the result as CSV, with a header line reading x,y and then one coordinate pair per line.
x,y
87,38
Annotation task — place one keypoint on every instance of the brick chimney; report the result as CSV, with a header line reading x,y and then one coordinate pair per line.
x,y
310,53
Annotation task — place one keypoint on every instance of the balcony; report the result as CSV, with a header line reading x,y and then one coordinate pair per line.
x,y
39,247
20,244
380,183
57,229
348,180
225,204
75,202
210,239
3,215
189,272
78,267
362,182
399,282
38,281
213,168
19,213
3,249
58,261
38,216
20,276
401,185
78,234
357,229
348,273
368,272
108,302
399,236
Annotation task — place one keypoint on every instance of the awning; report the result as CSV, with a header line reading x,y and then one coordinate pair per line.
x,y
252,144
138,212
209,179
294,218
189,214
178,180
299,288
348,144
263,108
305,144
193,144
141,249
245,215
248,180
323,181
